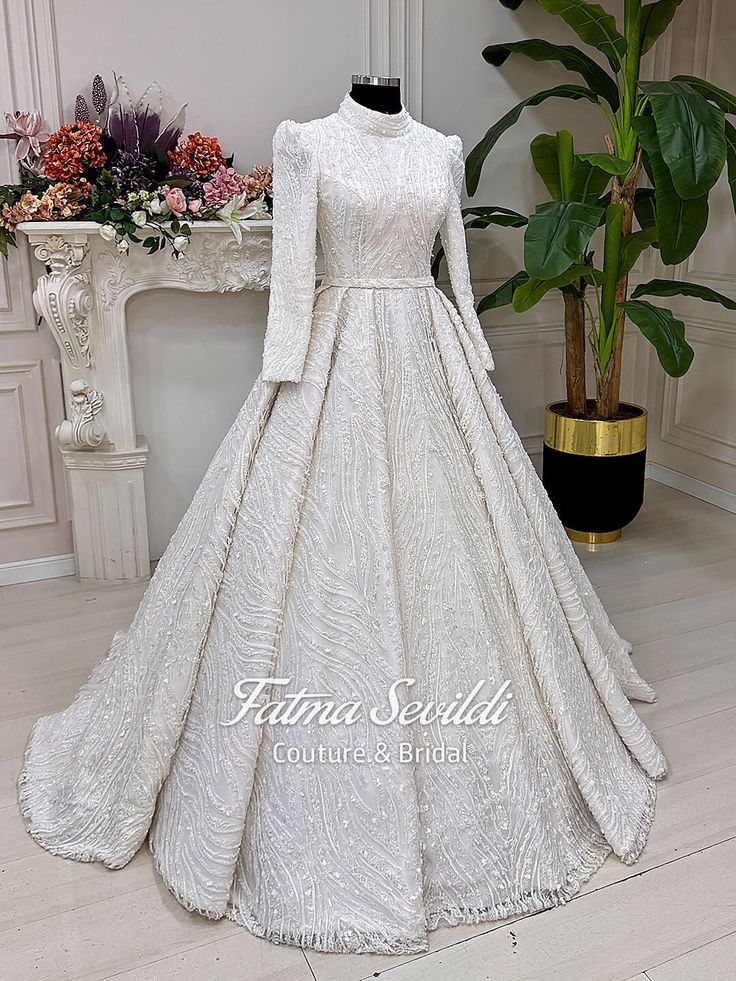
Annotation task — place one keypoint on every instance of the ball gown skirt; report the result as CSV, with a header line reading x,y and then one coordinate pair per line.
x,y
371,516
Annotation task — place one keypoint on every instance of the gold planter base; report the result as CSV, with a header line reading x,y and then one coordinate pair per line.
x,y
596,437
593,538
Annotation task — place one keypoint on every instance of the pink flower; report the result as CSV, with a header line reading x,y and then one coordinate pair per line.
x,y
195,205
224,185
28,127
175,200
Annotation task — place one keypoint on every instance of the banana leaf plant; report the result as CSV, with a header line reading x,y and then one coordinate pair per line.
x,y
677,132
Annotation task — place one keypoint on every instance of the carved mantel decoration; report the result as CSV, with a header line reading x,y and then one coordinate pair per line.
x,y
82,297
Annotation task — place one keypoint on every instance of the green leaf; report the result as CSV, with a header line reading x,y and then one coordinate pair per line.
x,y
533,290
567,55
557,235
436,263
588,182
566,158
504,295
731,159
655,19
691,136
632,247
484,215
611,261
680,223
477,156
592,24
665,333
645,207
723,99
546,163
614,166
673,287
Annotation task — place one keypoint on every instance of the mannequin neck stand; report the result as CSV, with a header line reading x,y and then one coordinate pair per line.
x,y
380,98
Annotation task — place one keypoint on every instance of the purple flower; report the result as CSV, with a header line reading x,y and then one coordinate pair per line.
x,y
133,172
99,95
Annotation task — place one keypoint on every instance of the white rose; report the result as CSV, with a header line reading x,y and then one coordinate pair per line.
x,y
122,245
139,218
154,206
108,232
180,243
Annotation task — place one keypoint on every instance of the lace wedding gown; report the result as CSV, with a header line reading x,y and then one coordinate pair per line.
x,y
370,516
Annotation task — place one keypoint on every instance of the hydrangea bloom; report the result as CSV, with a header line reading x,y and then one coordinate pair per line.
x,y
224,184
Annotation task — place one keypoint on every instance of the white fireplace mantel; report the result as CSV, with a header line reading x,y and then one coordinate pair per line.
x,y
82,296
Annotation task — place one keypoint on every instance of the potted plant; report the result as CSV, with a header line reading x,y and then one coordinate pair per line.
x,y
677,134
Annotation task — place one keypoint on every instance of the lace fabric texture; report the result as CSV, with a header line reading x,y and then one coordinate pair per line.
x,y
370,516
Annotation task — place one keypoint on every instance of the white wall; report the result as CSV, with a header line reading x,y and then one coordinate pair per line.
x,y
242,67
245,66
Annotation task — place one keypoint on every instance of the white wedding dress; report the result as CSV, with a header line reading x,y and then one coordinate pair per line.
x,y
370,516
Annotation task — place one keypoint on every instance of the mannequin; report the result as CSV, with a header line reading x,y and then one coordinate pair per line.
x,y
378,93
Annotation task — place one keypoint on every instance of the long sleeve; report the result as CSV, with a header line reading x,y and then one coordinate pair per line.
x,y
293,257
452,235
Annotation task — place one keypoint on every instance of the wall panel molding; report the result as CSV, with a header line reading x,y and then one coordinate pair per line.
x,y
30,28
675,428
33,519
26,484
28,80
393,45
687,432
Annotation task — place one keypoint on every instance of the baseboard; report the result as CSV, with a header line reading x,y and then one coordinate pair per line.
x,y
692,486
533,444
30,570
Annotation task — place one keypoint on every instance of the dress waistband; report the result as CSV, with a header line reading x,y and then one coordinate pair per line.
x,y
352,283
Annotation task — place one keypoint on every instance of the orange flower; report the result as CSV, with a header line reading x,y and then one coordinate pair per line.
x,y
72,150
63,201
200,155
260,181
25,209
59,202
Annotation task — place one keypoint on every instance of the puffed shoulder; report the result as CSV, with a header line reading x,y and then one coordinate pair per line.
x,y
293,146
455,147
289,134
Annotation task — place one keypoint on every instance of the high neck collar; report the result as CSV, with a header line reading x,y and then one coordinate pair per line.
x,y
371,121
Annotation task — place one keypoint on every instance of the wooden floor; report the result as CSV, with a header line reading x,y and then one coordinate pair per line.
x,y
670,587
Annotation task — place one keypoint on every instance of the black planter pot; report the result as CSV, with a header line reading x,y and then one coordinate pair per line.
x,y
594,471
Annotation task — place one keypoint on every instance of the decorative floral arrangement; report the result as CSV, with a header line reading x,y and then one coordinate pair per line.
x,y
115,165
